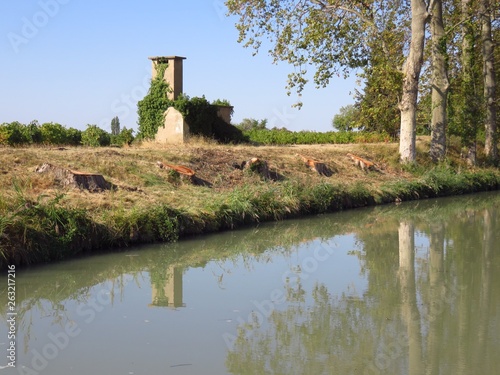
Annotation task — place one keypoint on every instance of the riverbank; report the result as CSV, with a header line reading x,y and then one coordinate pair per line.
x,y
42,221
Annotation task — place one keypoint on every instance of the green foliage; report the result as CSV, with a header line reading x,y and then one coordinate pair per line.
x,y
73,137
48,133
12,134
345,119
94,136
330,39
377,104
45,230
125,137
198,113
221,102
152,107
286,137
250,123
53,134
202,118
32,132
115,126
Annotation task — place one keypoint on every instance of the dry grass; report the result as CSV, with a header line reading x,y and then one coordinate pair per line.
x,y
134,167
142,184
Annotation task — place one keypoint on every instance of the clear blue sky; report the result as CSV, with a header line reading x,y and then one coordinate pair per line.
x,y
79,62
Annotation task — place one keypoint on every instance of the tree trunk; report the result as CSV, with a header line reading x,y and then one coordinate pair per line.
x,y
413,66
436,292
66,177
490,147
439,83
470,106
409,306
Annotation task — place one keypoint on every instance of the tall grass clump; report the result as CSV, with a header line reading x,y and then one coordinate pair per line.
x,y
44,230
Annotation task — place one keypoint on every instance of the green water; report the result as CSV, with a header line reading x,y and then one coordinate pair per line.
x,y
408,289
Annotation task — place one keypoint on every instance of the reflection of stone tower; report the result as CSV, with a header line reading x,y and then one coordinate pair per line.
x,y
173,73
171,293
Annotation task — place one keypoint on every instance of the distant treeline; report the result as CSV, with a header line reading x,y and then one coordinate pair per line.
x,y
287,137
49,133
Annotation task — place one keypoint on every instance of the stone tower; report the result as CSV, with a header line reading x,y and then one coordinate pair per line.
x,y
173,73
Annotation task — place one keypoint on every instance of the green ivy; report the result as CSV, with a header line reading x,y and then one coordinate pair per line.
x,y
152,107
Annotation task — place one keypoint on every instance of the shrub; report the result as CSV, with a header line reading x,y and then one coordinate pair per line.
x,y
74,137
94,136
53,134
125,137
287,137
12,134
33,132
202,118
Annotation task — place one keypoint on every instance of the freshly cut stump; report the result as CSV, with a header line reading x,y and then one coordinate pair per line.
x,y
257,165
66,177
364,164
178,168
316,166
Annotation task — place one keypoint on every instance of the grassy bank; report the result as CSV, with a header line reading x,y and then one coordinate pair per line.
x,y
42,221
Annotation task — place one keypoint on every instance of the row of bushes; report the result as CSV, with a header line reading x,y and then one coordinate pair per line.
x,y
287,137
15,133
49,133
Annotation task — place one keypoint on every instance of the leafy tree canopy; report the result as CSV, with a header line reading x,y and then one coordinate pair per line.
x,y
332,36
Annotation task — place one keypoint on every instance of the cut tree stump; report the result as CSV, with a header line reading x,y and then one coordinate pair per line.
x,y
66,177
364,164
178,168
257,165
185,173
316,166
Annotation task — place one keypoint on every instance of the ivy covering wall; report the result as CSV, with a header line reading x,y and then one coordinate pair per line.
x,y
200,115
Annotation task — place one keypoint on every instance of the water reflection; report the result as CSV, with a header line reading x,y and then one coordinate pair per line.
x,y
429,307
423,297
166,288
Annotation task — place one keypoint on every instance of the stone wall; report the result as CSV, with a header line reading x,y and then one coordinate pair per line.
x,y
174,129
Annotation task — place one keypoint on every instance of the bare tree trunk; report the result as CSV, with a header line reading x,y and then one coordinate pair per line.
x,y
436,292
486,278
409,307
440,83
413,66
468,84
490,148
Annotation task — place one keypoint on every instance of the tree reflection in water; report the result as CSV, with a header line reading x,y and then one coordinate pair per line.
x,y
429,311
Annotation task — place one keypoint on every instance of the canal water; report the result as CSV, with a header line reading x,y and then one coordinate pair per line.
x,y
401,289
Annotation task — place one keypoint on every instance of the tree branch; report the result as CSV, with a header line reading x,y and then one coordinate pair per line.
x,y
357,13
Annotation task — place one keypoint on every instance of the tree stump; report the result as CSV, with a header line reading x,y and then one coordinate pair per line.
x,y
364,164
66,177
257,165
185,173
316,166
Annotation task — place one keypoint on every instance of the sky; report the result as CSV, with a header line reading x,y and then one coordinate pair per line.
x,y
79,62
